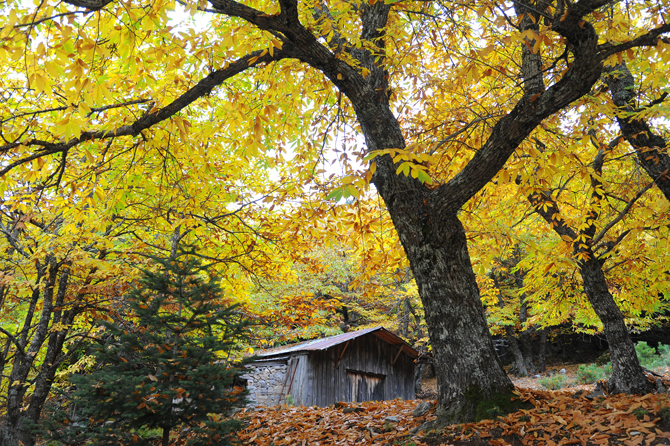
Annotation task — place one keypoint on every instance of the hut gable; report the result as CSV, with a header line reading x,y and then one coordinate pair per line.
x,y
365,365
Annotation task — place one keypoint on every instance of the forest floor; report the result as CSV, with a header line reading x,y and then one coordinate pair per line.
x,y
565,417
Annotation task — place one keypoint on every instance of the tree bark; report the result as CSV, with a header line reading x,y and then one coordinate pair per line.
x,y
524,336
520,367
627,375
542,352
468,371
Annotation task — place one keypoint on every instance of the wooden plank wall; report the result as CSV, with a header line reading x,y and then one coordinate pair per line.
x,y
321,378
296,378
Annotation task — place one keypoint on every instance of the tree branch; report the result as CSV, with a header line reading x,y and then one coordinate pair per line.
x,y
93,5
202,88
14,341
529,112
621,214
651,38
649,147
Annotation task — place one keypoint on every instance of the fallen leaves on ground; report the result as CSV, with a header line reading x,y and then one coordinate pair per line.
x,y
557,418
342,424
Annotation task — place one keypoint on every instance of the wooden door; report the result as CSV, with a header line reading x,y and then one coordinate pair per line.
x,y
365,386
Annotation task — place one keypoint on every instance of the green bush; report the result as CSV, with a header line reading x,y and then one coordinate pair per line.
x,y
649,357
646,355
555,382
588,374
664,352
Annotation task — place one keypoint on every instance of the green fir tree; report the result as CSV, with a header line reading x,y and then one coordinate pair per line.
x,y
169,372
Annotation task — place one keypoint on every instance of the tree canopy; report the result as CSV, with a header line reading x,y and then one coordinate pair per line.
x,y
254,130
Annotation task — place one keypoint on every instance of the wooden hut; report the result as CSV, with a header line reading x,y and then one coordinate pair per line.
x,y
365,365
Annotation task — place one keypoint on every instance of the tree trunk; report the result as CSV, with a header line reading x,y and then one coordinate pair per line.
x,y
405,317
627,374
519,360
542,352
519,367
15,430
470,378
524,336
418,376
166,436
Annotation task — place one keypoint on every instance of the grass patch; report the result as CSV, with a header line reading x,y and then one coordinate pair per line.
x,y
589,374
555,382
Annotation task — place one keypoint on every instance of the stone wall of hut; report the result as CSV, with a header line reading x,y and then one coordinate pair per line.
x,y
265,384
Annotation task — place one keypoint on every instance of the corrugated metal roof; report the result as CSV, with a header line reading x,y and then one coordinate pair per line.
x,y
326,343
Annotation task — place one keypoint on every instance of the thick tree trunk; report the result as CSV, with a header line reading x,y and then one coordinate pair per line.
x,y
470,378
627,374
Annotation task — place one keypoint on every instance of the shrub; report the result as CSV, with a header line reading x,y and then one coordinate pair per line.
x,y
664,352
591,373
646,355
554,382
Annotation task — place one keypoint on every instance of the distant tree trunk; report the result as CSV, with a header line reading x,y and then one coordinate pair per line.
x,y
404,322
417,321
418,376
542,351
524,336
519,366
519,360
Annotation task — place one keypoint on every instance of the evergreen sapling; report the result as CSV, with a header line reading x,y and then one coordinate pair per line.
x,y
171,372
